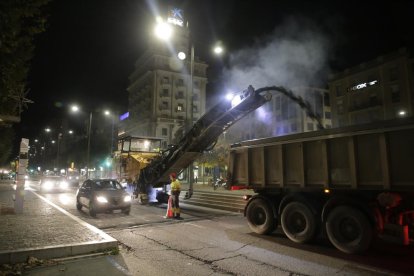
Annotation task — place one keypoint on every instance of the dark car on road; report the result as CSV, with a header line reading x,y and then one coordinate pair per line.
x,y
53,184
102,195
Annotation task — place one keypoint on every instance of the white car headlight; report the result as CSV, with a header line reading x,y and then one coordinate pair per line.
x,y
48,185
64,185
127,198
101,199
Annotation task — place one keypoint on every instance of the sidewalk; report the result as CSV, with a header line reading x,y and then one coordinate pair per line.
x,y
44,230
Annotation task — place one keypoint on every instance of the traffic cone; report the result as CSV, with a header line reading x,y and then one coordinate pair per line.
x,y
170,213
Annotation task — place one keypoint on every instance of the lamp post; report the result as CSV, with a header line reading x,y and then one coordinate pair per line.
x,y
75,109
108,113
164,31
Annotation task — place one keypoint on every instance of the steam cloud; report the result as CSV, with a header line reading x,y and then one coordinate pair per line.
x,y
294,55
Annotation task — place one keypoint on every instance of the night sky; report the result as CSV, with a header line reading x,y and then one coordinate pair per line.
x,y
90,47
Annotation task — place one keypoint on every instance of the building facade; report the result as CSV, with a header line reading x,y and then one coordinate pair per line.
x,y
377,90
282,116
162,102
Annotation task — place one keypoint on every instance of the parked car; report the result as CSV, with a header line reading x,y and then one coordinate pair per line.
x,y
102,195
53,184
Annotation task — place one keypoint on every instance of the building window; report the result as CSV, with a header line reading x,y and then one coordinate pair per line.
x,y
164,105
293,127
180,95
373,100
310,126
326,100
395,93
164,131
164,93
180,82
277,103
328,115
339,91
165,80
340,106
180,107
393,74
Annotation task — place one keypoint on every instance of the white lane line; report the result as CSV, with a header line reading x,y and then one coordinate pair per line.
x,y
195,225
78,220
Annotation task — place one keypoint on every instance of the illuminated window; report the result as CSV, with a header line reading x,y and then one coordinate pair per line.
x,y
180,107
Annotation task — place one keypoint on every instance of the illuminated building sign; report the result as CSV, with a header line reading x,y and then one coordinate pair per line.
x,y
176,17
124,116
363,85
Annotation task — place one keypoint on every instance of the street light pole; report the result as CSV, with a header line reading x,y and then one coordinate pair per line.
x,y
190,125
89,144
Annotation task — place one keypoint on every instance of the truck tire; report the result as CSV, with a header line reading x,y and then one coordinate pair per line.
x,y
298,222
349,230
260,217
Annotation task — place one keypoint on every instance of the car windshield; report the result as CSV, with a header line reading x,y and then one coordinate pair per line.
x,y
108,185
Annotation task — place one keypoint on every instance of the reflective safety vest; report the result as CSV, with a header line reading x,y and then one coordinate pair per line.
x,y
176,186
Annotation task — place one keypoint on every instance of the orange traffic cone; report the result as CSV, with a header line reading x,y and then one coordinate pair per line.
x,y
170,213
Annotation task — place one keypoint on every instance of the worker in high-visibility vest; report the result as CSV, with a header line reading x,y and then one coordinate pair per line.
x,y
175,194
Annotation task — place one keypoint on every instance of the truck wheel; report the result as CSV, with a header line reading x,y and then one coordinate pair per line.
x,y
260,217
298,222
349,230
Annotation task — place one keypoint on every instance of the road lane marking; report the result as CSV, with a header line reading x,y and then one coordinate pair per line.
x,y
78,220
195,225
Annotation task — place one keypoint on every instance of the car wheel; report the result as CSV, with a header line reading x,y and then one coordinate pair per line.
x,y
92,210
78,205
126,211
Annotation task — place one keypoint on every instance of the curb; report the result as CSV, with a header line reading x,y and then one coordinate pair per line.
x,y
51,252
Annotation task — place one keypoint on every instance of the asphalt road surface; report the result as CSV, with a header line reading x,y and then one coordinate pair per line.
x,y
212,242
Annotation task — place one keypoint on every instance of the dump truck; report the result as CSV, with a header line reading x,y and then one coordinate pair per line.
x,y
353,183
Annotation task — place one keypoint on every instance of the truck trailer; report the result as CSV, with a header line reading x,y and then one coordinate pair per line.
x,y
353,184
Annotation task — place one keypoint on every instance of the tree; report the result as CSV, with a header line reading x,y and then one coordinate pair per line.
x,y
6,144
20,21
217,157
